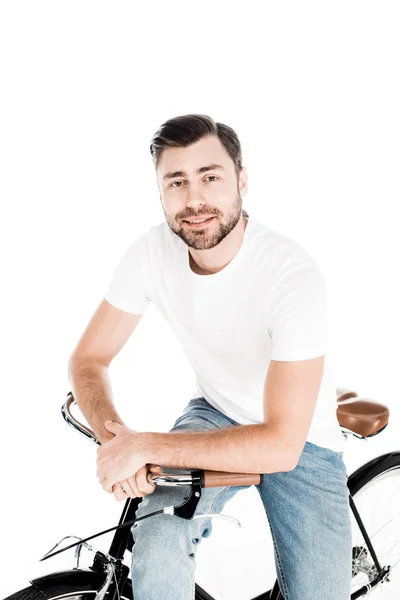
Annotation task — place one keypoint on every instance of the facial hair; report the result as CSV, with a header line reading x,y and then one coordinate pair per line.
x,y
203,239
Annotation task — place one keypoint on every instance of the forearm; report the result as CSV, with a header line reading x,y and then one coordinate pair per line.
x,y
91,387
254,448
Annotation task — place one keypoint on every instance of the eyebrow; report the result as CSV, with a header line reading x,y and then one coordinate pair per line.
x,y
211,167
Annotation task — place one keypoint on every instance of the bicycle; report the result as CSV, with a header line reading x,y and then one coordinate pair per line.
x,y
109,578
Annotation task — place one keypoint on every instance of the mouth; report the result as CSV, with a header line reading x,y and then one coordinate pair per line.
x,y
199,225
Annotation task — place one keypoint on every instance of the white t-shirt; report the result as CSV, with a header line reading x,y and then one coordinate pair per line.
x,y
268,303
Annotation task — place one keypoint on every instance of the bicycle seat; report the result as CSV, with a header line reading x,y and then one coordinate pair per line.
x,y
361,415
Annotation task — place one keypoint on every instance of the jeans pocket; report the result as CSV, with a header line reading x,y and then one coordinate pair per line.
x,y
322,458
337,459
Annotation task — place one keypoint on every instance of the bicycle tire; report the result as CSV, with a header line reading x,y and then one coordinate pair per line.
x,y
364,476
75,591
68,591
28,593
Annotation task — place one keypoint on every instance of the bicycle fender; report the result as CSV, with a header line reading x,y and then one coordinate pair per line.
x,y
82,579
373,467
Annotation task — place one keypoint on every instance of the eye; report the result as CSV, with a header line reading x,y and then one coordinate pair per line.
x,y
178,181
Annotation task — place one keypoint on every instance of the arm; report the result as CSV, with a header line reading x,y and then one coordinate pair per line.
x,y
91,388
105,335
290,395
107,332
113,323
297,323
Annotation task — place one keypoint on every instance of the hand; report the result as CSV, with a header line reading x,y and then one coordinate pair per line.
x,y
118,458
138,485
117,488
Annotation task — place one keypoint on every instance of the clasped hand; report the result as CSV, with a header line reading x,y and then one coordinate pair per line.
x,y
121,463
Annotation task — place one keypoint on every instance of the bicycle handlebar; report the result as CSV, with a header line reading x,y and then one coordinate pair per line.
x,y
209,478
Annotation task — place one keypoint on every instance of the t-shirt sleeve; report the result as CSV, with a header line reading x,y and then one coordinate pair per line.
x,y
297,315
127,290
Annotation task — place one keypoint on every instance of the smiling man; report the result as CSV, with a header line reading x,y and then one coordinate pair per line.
x,y
248,305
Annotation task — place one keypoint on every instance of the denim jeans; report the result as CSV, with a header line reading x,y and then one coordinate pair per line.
x,y
307,509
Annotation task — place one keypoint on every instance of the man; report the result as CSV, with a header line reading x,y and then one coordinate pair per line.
x,y
248,305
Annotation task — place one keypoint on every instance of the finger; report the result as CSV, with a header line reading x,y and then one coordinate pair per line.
x,y
153,470
144,485
149,466
119,493
134,485
127,488
108,485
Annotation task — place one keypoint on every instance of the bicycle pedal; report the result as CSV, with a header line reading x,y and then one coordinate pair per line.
x,y
215,515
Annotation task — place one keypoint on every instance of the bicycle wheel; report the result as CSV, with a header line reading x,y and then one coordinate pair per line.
x,y
31,593
75,592
67,592
375,489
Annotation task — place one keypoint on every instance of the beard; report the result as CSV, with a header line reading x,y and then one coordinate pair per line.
x,y
212,234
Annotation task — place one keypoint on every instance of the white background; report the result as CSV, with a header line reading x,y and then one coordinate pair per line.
x,y
312,89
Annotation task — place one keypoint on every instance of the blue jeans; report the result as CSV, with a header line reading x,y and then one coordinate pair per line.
x,y
307,509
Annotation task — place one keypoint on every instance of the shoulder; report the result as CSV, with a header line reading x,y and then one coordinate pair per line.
x,y
281,252
162,243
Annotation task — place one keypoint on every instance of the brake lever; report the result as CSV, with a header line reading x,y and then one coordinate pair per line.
x,y
187,509
215,515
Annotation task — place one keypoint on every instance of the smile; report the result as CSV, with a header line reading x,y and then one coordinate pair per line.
x,y
199,224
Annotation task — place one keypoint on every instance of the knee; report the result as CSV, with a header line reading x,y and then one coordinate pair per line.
x,y
161,541
170,533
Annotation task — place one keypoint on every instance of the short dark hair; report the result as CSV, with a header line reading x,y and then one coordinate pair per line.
x,y
187,129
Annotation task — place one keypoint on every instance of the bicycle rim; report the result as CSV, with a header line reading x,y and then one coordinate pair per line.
x,y
377,502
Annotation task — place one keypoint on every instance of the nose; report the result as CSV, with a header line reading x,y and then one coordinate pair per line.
x,y
195,193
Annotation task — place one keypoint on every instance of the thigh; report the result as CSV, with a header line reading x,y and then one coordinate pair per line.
x,y
309,516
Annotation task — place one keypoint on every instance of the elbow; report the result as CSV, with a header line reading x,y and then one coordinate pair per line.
x,y
288,463
293,459
281,464
293,464
290,459
70,369
73,365
77,363
285,451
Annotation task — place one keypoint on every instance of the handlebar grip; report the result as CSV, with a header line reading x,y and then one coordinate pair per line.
x,y
222,478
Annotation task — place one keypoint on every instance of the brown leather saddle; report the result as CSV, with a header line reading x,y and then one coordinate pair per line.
x,y
360,415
